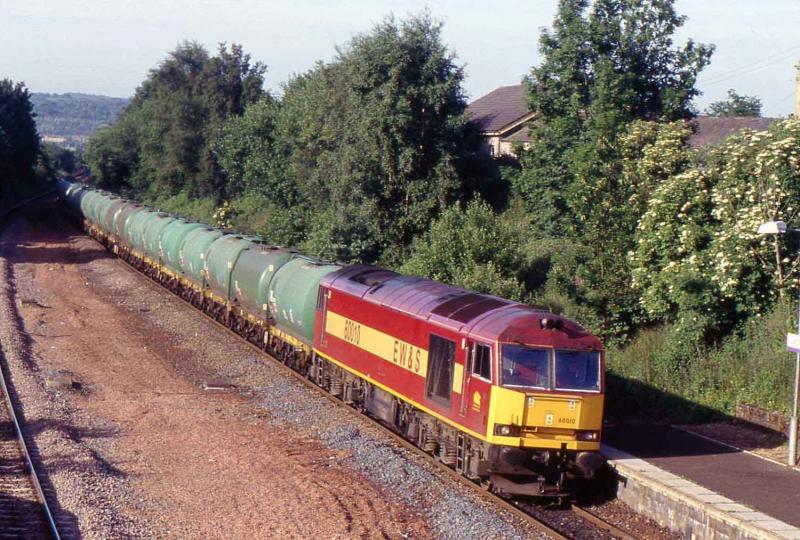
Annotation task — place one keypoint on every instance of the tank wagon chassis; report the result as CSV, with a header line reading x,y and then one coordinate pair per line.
x,y
498,418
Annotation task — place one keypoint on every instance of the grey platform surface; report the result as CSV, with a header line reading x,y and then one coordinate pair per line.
x,y
762,485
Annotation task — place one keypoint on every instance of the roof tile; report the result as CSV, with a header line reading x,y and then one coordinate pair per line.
x,y
499,107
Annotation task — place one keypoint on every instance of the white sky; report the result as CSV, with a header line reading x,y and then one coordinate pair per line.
x,y
107,47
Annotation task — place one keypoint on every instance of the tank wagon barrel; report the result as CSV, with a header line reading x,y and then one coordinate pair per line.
x,y
194,248
253,274
172,238
110,212
509,396
221,258
151,234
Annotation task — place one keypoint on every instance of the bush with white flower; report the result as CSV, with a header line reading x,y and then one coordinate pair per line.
x,y
698,260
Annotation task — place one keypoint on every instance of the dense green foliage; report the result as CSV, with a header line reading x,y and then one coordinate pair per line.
x,y
735,105
699,261
164,141
74,114
374,141
378,140
63,161
22,168
473,248
660,374
609,216
605,65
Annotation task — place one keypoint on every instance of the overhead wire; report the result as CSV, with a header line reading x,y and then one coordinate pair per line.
x,y
759,61
754,66
781,100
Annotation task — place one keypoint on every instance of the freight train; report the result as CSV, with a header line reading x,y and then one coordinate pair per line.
x,y
508,395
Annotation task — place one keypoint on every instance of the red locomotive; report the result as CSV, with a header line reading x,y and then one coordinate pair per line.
x,y
507,394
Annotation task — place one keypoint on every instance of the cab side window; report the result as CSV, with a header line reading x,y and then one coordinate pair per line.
x,y
482,365
441,358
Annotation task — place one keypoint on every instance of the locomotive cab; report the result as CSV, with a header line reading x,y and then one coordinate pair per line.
x,y
545,412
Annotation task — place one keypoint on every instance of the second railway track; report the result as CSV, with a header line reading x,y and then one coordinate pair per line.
x,y
24,509
24,512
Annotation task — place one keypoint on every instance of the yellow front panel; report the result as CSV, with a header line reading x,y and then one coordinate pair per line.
x,y
458,378
547,420
567,412
505,407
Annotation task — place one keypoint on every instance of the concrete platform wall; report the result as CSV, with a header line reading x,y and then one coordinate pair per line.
x,y
687,508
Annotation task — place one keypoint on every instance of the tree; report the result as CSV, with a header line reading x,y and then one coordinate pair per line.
x,y
472,248
605,64
378,140
63,160
591,269
164,141
602,67
735,105
19,141
254,157
698,260
113,154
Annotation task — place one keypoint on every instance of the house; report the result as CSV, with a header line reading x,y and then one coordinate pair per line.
x,y
710,130
503,118
502,115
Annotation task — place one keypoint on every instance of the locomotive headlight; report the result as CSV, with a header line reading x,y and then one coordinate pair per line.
x,y
505,430
587,435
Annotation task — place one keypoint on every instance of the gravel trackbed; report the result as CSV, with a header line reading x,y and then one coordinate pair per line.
x,y
113,372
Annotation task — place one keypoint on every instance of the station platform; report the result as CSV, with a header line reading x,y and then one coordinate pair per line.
x,y
700,488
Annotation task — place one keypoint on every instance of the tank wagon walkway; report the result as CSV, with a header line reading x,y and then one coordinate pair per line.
x,y
718,479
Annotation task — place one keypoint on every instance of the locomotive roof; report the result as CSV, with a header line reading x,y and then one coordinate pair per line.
x,y
481,315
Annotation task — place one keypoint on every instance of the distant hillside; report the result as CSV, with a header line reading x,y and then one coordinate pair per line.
x,y
72,117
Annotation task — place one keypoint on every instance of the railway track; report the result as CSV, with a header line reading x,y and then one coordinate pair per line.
x,y
583,523
24,510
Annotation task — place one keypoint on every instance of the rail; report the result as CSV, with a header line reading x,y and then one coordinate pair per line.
x,y
37,486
